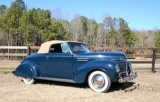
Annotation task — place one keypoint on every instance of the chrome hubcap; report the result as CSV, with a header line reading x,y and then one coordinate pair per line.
x,y
98,81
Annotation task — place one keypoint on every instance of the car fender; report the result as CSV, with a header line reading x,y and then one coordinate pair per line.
x,y
107,66
27,69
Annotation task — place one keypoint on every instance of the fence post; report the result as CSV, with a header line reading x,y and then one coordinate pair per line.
x,y
28,50
153,60
123,49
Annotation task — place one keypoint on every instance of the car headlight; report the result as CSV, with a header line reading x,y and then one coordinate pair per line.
x,y
130,66
117,68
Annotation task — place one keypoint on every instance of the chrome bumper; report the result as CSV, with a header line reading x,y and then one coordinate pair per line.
x,y
129,77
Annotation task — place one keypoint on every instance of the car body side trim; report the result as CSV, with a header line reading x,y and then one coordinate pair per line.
x,y
56,79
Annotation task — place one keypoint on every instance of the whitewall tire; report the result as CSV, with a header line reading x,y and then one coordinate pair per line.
x,y
98,81
28,80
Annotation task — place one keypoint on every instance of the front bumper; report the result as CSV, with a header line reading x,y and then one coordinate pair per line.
x,y
128,77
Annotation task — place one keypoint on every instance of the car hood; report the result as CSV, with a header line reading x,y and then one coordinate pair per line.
x,y
102,55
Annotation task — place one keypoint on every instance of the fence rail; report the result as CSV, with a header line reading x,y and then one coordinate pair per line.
x,y
11,53
13,47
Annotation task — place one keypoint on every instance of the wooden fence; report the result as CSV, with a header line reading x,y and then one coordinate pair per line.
x,y
11,53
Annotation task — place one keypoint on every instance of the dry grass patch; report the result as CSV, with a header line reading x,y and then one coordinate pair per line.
x,y
9,64
14,90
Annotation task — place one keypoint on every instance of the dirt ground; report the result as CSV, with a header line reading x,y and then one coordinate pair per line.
x,y
146,88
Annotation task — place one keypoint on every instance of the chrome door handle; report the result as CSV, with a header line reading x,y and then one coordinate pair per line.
x,y
47,57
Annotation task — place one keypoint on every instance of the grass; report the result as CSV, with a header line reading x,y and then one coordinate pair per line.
x,y
9,64
13,89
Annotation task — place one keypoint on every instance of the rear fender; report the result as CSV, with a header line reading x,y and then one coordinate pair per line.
x,y
26,69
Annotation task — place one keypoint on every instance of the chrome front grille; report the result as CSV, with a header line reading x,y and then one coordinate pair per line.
x,y
122,65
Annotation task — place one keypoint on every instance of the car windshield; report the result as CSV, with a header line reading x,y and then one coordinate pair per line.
x,y
78,47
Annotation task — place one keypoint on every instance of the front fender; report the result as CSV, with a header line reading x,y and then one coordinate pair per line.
x,y
107,66
26,69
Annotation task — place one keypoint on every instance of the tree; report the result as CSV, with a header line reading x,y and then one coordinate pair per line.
x,y
113,37
157,38
127,37
3,9
100,35
151,37
10,20
67,27
79,28
90,38
145,38
3,35
107,25
55,32
41,20
108,22
130,39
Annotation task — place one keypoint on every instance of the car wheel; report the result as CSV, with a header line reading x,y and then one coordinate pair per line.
x,y
98,81
28,80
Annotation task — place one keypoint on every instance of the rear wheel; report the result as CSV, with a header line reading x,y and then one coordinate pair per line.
x,y
98,81
28,80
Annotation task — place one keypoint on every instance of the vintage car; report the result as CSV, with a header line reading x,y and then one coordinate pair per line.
x,y
71,61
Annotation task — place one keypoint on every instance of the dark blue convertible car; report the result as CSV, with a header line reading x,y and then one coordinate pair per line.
x,y
69,61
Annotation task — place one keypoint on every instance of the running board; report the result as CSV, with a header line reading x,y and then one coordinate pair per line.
x,y
56,79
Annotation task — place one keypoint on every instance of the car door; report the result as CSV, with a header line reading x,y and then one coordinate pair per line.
x,y
60,62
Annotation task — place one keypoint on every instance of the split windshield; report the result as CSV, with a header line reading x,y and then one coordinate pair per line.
x,y
78,47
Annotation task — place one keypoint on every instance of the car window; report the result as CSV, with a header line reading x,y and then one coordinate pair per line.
x,y
56,48
65,48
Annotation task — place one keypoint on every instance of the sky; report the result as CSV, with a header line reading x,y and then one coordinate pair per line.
x,y
139,14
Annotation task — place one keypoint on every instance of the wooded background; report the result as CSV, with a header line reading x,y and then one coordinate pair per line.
x,y
22,27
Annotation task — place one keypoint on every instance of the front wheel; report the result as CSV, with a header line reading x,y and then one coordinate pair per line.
x,y
28,80
98,81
